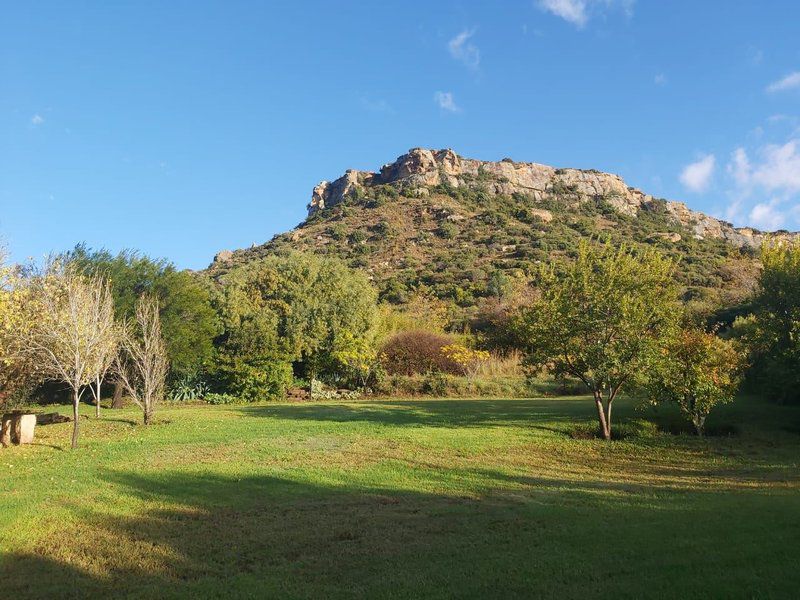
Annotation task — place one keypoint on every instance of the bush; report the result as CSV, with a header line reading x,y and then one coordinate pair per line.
x,y
268,380
435,384
418,352
214,398
447,230
190,387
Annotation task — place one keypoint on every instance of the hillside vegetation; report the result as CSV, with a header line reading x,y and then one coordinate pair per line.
x,y
476,235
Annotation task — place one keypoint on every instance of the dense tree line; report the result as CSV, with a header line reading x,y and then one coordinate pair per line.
x,y
614,319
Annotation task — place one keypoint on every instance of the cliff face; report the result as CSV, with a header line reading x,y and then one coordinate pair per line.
x,y
419,169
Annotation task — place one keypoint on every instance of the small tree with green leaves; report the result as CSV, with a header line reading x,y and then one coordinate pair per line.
x,y
601,320
357,356
696,370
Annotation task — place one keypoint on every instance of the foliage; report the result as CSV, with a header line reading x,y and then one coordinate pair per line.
x,y
188,320
776,336
419,351
463,246
357,357
215,398
17,310
469,359
70,334
252,378
602,320
292,308
696,370
189,387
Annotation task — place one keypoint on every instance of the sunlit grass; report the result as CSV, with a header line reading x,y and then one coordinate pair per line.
x,y
433,498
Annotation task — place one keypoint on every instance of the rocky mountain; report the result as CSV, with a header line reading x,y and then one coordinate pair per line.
x,y
420,169
459,227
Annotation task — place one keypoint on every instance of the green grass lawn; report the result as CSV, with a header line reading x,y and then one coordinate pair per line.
x,y
403,499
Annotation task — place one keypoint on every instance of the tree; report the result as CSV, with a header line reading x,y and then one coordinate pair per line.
x,y
72,331
107,353
142,365
357,355
188,319
697,370
601,320
15,367
776,339
288,309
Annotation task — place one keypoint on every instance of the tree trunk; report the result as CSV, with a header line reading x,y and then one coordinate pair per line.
x,y
97,400
147,417
601,415
699,423
76,398
116,402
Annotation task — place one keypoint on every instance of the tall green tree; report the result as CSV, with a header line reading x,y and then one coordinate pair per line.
x,y
776,339
188,320
293,308
601,319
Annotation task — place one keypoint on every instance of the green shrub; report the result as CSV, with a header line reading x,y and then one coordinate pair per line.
x,y
435,384
190,387
447,230
215,398
268,380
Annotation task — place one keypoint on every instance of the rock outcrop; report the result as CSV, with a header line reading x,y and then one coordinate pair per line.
x,y
420,168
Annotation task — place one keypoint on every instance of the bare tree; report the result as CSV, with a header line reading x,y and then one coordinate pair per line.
x,y
142,363
108,351
73,330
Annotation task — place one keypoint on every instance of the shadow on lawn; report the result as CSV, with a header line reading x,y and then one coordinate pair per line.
x,y
435,413
215,536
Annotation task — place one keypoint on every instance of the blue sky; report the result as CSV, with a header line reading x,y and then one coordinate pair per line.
x,y
183,128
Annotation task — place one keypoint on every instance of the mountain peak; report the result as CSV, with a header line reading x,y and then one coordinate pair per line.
x,y
421,169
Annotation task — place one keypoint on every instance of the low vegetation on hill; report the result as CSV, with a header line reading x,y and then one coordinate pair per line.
x,y
469,245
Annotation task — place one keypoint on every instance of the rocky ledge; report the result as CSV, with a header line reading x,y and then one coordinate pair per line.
x,y
420,169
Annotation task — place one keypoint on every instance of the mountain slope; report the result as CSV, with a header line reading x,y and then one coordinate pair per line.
x,y
467,229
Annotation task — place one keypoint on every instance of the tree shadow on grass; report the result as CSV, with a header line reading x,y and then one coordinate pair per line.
x,y
266,536
434,413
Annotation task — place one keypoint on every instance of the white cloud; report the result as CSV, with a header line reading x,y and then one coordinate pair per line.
x,y
37,119
697,175
767,216
573,11
771,170
578,12
780,168
446,101
463,50
660,79
777,171
739,167
790,82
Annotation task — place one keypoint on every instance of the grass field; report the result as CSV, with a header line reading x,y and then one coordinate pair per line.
x,y
403,499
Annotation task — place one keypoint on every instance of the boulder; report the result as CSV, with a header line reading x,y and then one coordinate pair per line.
x,y
17,428
24,427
